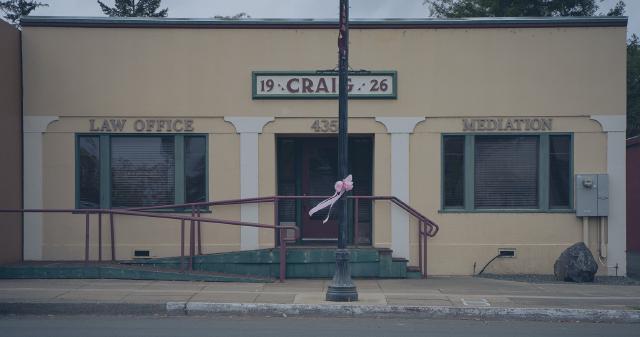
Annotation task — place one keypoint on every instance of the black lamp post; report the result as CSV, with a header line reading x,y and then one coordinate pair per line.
x,y
342,288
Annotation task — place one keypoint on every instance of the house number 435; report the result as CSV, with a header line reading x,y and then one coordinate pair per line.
x,y
325,125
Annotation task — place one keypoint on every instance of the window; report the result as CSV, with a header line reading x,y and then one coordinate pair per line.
x,y
454,171
507,172
138,171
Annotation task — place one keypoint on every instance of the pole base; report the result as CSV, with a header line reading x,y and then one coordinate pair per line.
x,y
342,288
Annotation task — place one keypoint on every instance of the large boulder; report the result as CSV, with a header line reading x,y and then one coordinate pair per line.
x,y
576,264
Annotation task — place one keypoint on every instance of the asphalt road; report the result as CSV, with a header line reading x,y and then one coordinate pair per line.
x,y
111,326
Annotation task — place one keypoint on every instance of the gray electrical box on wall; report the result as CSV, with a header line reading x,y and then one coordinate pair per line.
x,y
592,195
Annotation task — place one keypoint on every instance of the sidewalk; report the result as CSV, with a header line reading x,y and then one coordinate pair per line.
x,y
453,295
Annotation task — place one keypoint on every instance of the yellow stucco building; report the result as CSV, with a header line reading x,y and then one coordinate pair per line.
x,y
479,124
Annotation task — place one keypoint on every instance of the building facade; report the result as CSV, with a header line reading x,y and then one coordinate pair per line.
x,y
479,124
633,213
10,140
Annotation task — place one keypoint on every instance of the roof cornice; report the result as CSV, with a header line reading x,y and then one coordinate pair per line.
x,y
427,23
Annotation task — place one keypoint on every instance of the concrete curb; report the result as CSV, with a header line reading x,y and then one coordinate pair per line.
x,y
336,310
79,308
319,310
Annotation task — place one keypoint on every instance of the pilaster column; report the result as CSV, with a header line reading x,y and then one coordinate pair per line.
x,y
249,128
615,127
33,129
400,128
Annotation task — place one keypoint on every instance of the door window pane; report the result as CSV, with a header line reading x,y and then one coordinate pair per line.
x,y
195,166
89,172
142,171
453,171
559,171
506,172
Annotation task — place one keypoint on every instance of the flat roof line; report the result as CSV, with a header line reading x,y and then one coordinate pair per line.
x,y
426,23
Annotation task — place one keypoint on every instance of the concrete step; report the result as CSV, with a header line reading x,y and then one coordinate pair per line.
x,y
302,262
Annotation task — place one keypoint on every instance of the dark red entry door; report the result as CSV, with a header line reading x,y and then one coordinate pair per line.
x,y
319,172
308,166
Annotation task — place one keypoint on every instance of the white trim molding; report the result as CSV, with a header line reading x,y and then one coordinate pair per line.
x,y
249,128
615,127
32,140
400,128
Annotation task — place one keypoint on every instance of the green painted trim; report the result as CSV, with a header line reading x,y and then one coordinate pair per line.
x,y
426,23
179,177
464,173
298,167
543,174
543,171
571,171
208,173
105,167
572,174
469,172
255,74
105,171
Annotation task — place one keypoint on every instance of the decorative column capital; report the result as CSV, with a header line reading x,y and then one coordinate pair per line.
x,y
249,124
37,124
611,123
400,124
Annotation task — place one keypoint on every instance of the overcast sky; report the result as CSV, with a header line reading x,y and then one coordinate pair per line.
x,y
289,9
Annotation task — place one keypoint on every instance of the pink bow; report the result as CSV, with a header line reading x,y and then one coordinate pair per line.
x,y
341,187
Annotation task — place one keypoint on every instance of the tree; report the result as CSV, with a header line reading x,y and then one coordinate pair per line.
x,y
494,8
14,9
618,9
238,16
133,8
633,86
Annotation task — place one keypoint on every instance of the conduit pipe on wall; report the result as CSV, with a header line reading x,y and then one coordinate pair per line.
x,y
585,230
602,238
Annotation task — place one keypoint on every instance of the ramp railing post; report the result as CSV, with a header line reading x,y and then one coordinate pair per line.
x,y
86,237
113,238
420,248
356,226
283,255
199,232
182,245
100,236
192,239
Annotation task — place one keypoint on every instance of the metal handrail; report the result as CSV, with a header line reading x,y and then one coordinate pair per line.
x,y
193,220
426,227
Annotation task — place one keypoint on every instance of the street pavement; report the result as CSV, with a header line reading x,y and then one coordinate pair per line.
x,y
436,292
103,326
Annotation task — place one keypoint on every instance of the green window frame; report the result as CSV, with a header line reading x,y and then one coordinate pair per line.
x,y
543,175
104,162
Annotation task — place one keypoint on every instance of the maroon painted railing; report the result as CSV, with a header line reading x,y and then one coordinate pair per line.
x,y
193,218
426,227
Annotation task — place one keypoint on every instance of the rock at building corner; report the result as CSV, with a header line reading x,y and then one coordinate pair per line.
x,y
576,264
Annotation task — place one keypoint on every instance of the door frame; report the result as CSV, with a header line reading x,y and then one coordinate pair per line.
x,y
298,149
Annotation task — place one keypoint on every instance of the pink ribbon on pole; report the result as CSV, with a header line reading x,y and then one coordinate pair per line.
x,y
341,187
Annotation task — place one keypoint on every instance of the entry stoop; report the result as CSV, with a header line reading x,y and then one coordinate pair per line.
x,y
302,262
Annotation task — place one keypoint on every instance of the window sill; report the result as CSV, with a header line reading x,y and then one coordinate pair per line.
x,y
515,211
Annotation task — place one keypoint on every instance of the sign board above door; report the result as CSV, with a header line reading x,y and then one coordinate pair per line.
x,y
323,85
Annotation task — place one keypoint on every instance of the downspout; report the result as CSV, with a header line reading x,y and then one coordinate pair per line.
x,y
603,242
585,230
21,146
